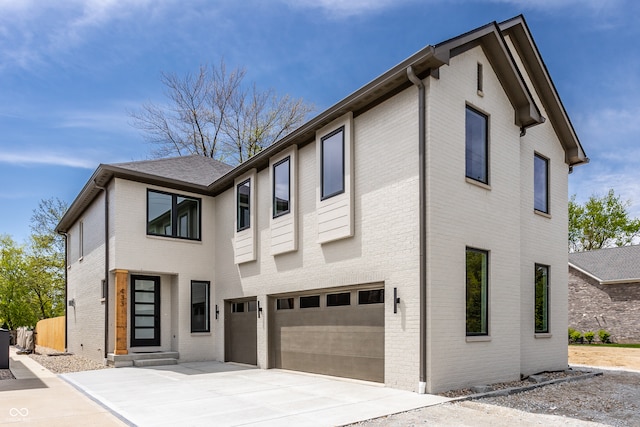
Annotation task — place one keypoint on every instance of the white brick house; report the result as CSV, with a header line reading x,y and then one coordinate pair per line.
x,y
413,234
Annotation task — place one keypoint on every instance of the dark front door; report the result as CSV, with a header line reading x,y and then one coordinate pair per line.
x,y
145,311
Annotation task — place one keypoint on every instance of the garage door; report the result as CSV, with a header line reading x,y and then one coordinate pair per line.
x,y
241,331
331,332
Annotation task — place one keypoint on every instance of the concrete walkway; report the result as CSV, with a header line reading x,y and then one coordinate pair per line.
x,y
213,393
37,397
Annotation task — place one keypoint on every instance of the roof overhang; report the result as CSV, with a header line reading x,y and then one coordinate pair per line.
x,y
518,31
604,282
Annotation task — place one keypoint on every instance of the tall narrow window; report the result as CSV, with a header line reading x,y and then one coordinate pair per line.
x,y
479,82
199,306
476,146
542,299
541,184
81,240
332,158
281,187
477,292
243,205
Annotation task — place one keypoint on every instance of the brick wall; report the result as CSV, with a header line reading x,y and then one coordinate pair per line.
x,y
614,308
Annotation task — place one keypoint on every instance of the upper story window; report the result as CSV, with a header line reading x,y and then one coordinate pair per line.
x,y
244,205
477,292
332,164
541,183
476,146
81,240
173,215
282,187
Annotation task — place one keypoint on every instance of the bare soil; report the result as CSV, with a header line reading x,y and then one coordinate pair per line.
x,y
611,357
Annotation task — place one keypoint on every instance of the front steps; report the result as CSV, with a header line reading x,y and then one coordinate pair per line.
x,y
159,358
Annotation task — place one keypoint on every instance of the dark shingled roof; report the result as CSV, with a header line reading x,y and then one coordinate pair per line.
x,y
612,265
193,169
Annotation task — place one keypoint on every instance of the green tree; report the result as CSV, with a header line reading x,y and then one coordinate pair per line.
x,y
16,307
211,113
600,223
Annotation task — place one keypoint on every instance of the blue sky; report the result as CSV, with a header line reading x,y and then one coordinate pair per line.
x,y
71,70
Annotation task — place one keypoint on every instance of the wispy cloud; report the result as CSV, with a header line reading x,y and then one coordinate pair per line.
x,y
51,159
347,8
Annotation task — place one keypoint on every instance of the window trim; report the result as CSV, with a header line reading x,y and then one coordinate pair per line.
x,y
275,213
486,144
535,296
323,196
80,240
547,183
207,306
174,215
485,309
248,225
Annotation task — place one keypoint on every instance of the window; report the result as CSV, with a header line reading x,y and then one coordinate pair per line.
x,y
479,82
332,159
310,301
541,184
243,205
199,306
477,292
374,296
281,187
237,307
284,304
542,299
81,240
476,146
334,300
162,208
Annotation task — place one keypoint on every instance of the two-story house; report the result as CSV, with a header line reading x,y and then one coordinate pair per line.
x,y
413,234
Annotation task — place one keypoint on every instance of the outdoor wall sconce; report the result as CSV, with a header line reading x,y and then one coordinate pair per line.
x,y
217,312
259,309
72,302
396,300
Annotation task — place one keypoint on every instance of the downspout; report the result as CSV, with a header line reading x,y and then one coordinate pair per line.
x,y
422,385
66,283
106,267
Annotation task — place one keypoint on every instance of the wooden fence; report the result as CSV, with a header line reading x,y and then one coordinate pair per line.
x,y
50,333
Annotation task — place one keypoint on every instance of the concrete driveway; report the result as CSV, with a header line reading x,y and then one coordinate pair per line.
x,y
213,393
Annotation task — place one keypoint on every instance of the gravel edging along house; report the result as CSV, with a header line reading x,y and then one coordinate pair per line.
x,y
536,381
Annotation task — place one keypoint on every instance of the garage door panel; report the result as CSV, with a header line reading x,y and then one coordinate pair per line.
x,y
346,341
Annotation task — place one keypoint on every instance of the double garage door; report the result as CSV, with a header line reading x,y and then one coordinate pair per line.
x,y
331,332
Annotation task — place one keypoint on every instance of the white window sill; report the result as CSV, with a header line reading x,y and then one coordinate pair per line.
x,y
543,335
477,183
478,338
200,334
543,214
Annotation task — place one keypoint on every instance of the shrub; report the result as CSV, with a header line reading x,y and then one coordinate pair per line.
x,y
589,336
604,336
576,336
571,331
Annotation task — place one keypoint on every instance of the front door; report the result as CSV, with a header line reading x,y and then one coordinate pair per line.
x,y
241,327
145,311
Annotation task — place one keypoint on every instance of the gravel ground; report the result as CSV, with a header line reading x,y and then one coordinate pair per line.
x,y
62,363
612,399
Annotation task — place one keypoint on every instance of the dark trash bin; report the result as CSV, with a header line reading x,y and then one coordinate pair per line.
x,y
4,348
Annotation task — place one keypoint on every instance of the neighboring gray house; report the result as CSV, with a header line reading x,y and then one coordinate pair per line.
x,y
604,292
413,234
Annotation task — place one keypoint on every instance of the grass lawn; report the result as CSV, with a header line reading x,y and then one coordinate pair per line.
x,y
609,345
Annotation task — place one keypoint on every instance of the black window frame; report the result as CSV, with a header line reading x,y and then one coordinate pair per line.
x,y
545,305
324,196
309,301
275,212
371,296
484,295
207,306
338,301
468,144
537,157
290,303
246,226
174,215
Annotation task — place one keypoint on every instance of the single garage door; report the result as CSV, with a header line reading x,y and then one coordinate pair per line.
x,y
331,332
241,331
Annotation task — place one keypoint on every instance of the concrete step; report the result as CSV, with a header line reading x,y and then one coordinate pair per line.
x,y
140,363
141,356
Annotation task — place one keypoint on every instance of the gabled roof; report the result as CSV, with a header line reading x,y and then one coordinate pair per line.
x,y
609,266
177,174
